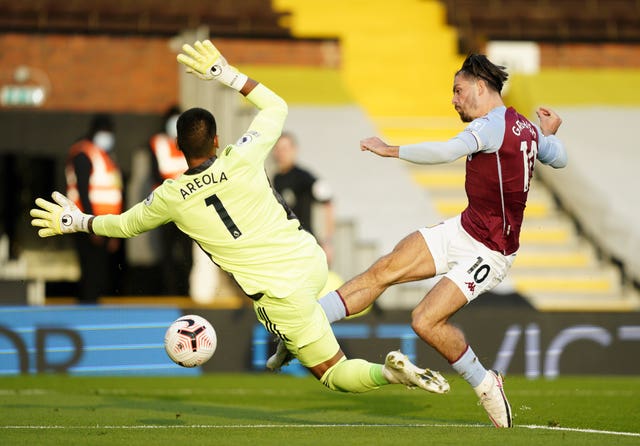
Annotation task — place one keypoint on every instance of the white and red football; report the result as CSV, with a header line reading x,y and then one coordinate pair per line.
x,y
190,341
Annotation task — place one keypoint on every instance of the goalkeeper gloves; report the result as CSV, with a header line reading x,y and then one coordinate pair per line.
x,y
61,217
205,61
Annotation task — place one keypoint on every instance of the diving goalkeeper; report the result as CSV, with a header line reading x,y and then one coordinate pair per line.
x,y
226,204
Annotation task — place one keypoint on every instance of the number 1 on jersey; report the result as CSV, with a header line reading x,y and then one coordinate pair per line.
x,y
214,201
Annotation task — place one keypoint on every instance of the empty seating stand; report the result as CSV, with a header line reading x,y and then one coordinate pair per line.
x,y
479,21
229,18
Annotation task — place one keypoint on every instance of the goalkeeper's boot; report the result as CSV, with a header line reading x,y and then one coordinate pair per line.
x,y
493,399
398,369
280,358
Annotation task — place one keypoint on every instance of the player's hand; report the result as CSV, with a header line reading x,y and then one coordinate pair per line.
x,y
379,147
549,121
205,61
61,217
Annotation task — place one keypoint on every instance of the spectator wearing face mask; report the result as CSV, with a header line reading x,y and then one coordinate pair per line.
x,y
168,160
168,163
94,184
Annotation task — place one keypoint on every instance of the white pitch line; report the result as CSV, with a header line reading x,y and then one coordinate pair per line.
x,y
293,426
574,429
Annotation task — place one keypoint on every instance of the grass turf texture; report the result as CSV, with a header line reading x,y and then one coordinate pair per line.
x,y
271,409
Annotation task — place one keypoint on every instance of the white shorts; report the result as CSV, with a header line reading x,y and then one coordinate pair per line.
x,y
473,267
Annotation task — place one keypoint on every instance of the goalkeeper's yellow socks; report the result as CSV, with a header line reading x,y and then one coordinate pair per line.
x,y
354,376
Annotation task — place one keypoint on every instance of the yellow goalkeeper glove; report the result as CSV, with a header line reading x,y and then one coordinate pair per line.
x,y
205,61
61,217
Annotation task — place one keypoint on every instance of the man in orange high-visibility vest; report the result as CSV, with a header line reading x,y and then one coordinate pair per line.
x,y
168,163
94,183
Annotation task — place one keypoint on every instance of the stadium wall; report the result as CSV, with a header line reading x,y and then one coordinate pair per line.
x,y
117,340
139,74
132,73
589,55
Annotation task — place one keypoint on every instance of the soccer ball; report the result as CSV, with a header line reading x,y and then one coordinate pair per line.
x,y
190,341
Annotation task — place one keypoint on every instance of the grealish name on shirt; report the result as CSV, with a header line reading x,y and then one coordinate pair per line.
x,y
201,181
520,126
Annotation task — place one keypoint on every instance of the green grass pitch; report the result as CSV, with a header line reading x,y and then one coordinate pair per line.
x,y
268,409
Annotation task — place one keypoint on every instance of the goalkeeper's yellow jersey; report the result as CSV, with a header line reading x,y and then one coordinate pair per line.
x,y
228,206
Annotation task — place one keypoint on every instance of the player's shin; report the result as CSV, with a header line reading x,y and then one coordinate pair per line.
x,y
354,376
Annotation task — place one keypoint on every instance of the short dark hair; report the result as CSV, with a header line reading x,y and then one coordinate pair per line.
x,y
173,110
100,122
478,66
196,132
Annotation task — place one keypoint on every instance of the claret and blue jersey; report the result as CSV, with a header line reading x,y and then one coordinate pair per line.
x,y
501,148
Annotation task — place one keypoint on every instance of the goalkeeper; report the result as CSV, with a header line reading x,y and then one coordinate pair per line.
x,y
226,204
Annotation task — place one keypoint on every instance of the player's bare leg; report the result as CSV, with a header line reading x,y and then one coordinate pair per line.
x,y
430,321
409,261
322,368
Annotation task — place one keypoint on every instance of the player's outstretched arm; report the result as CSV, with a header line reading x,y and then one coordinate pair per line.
x,y
379,147
60,217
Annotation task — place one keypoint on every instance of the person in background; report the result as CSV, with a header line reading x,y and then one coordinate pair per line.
x,y
305,194
94,184
303,191
168,162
